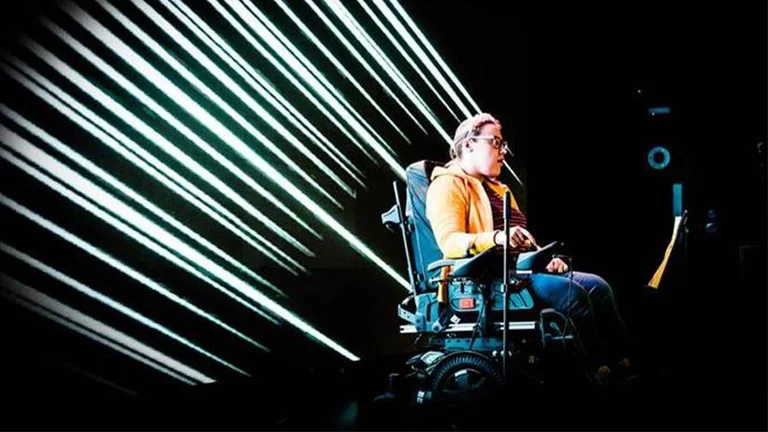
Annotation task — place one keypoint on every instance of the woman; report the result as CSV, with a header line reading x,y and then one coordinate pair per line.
x,y
465,209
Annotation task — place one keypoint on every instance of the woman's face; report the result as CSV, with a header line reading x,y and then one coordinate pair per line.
x,y
486,151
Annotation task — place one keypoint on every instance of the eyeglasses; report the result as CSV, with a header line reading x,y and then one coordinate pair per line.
x,y
497,143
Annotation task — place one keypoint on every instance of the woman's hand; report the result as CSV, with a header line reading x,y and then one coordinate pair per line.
x,y
557,266
519,238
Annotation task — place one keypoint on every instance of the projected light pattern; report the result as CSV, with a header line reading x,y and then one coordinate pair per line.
x,y
262,86
405,55
154,168
98,331
362,37
109,302
283,47
36,155
248,100
122,49
338,65
78,79
117,265
96,378
248,119
151,236
425,58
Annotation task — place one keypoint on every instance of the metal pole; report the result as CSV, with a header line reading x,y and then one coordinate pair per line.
x,y
505,283
404,230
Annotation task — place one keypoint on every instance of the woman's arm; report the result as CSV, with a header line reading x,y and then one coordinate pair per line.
x,y
447,210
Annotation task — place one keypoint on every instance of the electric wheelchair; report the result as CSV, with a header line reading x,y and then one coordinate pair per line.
x,y
466,354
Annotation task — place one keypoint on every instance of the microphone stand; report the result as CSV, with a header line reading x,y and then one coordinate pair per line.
x,y
505,283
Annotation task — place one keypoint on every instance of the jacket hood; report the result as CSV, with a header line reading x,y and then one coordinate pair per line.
x,y
455,170
451,170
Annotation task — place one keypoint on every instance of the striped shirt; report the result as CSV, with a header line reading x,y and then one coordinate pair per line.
x,y
516,217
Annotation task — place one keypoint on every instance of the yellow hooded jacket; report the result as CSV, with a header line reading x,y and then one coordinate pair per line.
x,y
459,211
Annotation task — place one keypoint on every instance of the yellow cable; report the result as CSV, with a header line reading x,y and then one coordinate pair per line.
x,y
654,283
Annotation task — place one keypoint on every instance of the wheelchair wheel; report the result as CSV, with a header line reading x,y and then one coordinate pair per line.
x,y
466,380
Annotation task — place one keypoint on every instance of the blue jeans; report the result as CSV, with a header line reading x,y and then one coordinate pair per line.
x,y
590,303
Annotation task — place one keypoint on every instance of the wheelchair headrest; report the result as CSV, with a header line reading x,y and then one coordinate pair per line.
x,y
417,178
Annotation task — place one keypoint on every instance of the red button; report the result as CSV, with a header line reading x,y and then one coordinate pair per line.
x,y
467,303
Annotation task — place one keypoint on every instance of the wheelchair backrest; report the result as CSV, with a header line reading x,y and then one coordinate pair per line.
x,y
422,239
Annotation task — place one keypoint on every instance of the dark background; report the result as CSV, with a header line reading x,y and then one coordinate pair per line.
x,y
571,85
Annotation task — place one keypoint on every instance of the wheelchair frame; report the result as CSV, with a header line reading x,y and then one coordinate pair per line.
x,y
461,344
440,322
460,278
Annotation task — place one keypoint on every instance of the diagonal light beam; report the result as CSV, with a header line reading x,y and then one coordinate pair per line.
x,y
424,41
405,55
213,41
264,52
149,283
283,45
194,256
189,105
130,193
335,62
244,97
351,49
17,143
373,49
367,138
247,153
161,141
75,320
153,167
84,289
362,37
420,54
96,378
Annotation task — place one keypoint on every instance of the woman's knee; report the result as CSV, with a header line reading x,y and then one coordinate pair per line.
x,y
560,293
594,285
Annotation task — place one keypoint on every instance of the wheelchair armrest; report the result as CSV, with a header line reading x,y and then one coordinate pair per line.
x,y
440,263
446,262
